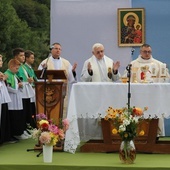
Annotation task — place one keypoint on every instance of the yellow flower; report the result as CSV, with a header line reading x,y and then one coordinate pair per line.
x,y
114,131
54,138
106,118
120,111
141,133
125,121
43,121
111,113
125,135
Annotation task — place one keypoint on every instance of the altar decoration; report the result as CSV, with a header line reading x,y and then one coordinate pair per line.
x,y
125,122
49,134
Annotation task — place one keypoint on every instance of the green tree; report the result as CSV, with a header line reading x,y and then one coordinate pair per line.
x,y
45,2
36,15
17,30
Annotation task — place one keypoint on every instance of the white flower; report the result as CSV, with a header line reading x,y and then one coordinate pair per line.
x,y
130,117
122,128
126,122
136,119
36,133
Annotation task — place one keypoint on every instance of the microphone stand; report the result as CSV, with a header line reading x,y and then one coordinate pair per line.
x,y
128,68
44,74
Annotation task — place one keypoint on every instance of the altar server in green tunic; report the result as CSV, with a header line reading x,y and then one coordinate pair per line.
x,y
29,60
15,87
28,92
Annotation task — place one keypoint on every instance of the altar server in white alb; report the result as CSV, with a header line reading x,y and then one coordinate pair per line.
x,y
146,69
100,68
5,131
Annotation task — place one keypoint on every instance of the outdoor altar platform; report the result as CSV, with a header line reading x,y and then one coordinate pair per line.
x,y
89,101
15,157
146,143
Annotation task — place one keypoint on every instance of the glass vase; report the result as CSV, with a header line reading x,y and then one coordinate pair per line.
x,y
127,152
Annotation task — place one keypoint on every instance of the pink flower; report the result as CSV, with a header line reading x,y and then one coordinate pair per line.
x,y
66,124
45,138
54,129
41,116
48,132
61,133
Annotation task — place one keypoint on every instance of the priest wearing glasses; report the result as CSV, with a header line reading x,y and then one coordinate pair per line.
x,y
146,69
100,68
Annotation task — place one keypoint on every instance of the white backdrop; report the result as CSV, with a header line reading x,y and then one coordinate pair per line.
x,y
78,24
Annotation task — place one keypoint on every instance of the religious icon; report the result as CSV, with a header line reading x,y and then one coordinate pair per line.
x,y
131,26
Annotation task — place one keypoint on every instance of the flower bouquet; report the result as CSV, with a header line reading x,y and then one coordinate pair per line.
x,y
125,122
47,133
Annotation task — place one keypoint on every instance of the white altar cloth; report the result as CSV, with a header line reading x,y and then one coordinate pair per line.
x,y
89,101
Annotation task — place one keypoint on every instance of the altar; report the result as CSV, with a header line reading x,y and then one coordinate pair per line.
x,y
89,101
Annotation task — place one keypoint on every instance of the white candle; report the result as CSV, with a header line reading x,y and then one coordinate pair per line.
x,y
153,70
163,70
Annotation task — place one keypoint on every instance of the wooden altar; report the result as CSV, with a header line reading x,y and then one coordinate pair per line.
x,y
147,143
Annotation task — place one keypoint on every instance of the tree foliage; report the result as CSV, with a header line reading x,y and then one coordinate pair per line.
x,y
24,24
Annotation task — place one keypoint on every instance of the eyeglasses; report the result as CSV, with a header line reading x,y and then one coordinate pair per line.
x,y
145,52
57,49
98,52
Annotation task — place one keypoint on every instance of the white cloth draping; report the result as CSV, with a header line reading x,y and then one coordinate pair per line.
x,y
89,101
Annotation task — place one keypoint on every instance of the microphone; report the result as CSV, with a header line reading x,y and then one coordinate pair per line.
x,y
132,51
43,71
45,66
128,67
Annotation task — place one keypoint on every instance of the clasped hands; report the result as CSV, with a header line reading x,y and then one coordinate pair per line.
x,y
3,77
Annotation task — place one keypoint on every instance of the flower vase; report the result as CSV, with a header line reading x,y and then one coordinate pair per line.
x,y
127,152
47,153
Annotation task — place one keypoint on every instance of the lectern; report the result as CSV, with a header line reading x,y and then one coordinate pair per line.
x,y
50,93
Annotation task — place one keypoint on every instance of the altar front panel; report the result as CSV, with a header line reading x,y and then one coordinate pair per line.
x,y
89,102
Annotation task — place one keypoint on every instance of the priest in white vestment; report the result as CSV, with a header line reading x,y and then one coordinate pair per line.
x,y
56,62
146,69
100,68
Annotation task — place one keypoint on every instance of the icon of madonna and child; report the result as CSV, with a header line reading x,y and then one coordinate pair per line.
x,y
131,31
